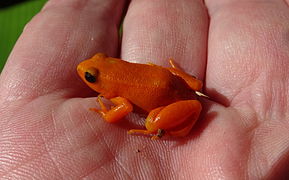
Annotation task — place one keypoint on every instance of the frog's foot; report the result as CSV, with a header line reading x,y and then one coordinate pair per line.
x,y
160,133
177,119
122,108
103,110
139,131
172,63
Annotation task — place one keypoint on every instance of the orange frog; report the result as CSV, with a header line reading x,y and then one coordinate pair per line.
x,y
168,95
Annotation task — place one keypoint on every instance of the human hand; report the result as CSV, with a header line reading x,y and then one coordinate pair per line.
x,y
240,49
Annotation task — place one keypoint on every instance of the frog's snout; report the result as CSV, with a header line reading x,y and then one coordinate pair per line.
x,y
80,69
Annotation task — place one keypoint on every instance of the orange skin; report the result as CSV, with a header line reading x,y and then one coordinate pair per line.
x,y
166,94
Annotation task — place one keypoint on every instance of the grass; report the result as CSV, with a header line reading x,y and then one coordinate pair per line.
x,y
13,18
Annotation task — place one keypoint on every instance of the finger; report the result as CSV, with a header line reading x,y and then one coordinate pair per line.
x,y
155,31
248,62
248,51
62,34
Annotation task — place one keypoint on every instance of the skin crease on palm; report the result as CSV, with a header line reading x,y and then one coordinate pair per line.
x,y
240,48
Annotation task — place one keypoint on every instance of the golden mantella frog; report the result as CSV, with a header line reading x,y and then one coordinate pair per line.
x,y
168,95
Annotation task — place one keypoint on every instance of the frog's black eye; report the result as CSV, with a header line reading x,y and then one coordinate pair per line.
x,y
91,75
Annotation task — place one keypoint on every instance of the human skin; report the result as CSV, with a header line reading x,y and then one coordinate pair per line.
x,y
239,48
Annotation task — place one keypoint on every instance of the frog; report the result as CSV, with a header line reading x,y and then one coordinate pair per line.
x,y
168,95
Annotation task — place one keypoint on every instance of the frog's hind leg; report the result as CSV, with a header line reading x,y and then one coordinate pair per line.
x,y
185,130
192,81
172,63
176,119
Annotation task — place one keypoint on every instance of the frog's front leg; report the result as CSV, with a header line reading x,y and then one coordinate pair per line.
x,y
176,119
122,108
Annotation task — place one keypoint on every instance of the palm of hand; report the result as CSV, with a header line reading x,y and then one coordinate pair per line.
x,y
46,131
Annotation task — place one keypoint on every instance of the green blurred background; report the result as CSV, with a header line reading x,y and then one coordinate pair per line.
x,y
14,14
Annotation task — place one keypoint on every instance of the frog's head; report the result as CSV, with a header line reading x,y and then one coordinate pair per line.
x,y
89,71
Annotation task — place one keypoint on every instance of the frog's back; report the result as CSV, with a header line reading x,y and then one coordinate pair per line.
x,y
146,86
